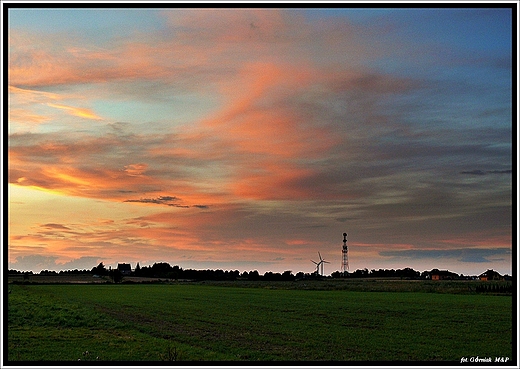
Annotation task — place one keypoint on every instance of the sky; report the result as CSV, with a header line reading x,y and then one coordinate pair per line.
x,y
253,138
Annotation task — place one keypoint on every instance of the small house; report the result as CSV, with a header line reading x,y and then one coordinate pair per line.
x,y
490,275
438,275
125,269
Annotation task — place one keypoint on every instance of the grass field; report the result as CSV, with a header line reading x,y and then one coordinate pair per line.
x,y
193,322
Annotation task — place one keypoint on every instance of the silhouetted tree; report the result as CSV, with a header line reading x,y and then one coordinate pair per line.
x,y
48,272
161,270
175,272
99,270
336,274
360,273
287,276
234,275
254,275
270,276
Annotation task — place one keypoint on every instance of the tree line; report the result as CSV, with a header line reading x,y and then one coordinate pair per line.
x,y
165,270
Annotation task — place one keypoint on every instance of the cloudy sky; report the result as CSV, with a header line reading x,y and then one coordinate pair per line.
x,y
245,139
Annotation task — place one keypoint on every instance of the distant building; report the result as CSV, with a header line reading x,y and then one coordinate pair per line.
x,y
490,275
438,275
125,269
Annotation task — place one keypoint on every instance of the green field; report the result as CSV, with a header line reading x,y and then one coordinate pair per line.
x,y
198,322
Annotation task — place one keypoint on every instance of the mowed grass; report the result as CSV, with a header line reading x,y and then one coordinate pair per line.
x,y
187,322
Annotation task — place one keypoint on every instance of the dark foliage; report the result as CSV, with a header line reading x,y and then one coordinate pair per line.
x,y
494,288
115,275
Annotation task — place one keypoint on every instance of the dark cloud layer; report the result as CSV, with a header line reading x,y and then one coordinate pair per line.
x,y
479,172
167,200
161,200
55,226
466,255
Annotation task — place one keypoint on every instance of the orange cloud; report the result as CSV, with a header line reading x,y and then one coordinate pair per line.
x,y
78,112
195,43
174,233
26,117
49,65
27,108
268,142
135,169
258,144
95,168
32,95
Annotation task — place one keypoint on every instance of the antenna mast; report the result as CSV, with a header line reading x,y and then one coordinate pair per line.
x,y
344,265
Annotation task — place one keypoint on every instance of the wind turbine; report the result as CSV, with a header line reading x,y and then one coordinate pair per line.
x,y
322,262
317,267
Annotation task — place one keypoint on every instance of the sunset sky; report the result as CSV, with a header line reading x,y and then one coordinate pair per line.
x,y
250,139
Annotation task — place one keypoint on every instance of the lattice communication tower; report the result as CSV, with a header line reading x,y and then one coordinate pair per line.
x,y
344,264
